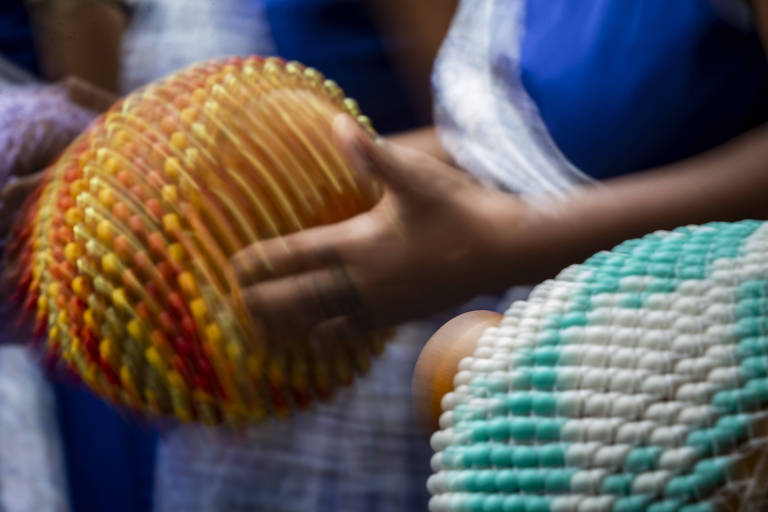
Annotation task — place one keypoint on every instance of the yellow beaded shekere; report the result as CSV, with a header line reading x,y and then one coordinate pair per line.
x,y
125,251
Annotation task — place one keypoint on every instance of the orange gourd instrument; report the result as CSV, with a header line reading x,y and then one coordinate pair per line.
x,y
124,253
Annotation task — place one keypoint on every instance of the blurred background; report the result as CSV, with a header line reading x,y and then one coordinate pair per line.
x,y
61,448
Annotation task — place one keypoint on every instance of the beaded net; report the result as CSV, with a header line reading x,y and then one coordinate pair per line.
x,y
125,251
635,381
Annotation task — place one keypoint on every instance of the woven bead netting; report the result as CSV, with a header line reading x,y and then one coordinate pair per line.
x,y
635,381
125,252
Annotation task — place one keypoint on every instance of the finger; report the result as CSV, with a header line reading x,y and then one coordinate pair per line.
x,y
295,305
303,251
87,95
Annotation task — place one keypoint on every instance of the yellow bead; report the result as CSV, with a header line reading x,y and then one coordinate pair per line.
x,y
61,320
153,357
126,378
76,187
188,284
112,165
105,349
53,333
234,351
106,197
198,309
80,287
120,299
176,252
171,222
110,263
73,216
135,329
104,231
53,290
72,251
89,318
172,167
179,141
175,380
213,332
170,194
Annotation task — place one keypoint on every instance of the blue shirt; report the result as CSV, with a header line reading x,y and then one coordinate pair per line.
x,y
625,85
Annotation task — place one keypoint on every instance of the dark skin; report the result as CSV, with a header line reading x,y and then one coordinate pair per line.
x,y
80,38
438,238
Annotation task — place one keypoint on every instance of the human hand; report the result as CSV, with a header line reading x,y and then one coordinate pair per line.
x,y
431,242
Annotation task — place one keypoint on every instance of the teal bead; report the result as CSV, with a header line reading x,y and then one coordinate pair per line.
x,y
506,480
545,356
752,307
481,432
486,481
715,469
514,504
573,320
756,346
552,455
520,379
543,378
501,456
632,300
530,480
548,338
522,428
525,457
617,484
493,504
755,366
664,256
699,507
498,429
637,503
692,272
610,285
754,289
549,429
661,270
474,503
679,486
544,404
642,459
750,327
633,269
662,286
558,481
479,455
725,400
738,424
536,504
519,403
467,480
760,387
665,506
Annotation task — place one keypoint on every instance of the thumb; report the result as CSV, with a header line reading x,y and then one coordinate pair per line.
x,y
374,157
89,96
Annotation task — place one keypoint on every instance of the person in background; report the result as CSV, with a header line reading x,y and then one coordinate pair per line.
x,y
102,461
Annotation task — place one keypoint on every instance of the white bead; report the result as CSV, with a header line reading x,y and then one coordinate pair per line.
x,y
597,504
587,482
678,459
656,361
697,415
651,482
436,462
628,406
594,378
603,430
568,503
598,405
611,457
623,358
662,386
669,435
728,376
436,483
574,430
570,403
462,378
580,455
663,412
635,432
696,392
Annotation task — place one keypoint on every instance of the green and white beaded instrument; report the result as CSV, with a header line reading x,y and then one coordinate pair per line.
x,y
635,381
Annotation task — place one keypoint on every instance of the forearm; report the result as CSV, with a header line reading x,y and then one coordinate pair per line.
x,y
727,183
424,140
80,38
